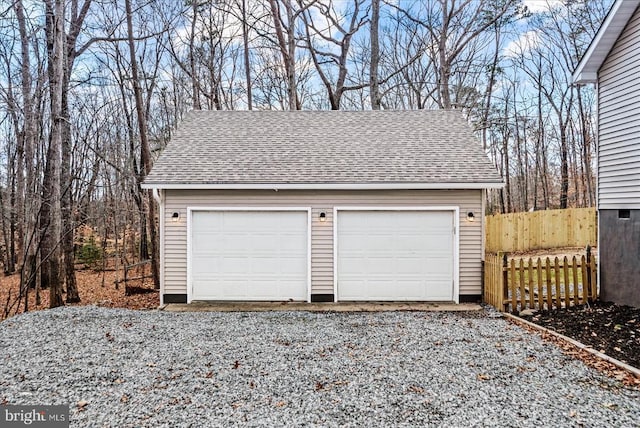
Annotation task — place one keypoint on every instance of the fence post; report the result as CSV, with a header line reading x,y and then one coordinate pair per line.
x,y
587,281
505,283
126,274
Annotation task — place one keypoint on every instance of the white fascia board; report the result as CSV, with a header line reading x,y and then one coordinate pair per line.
x,y
328,186
585,77
613,25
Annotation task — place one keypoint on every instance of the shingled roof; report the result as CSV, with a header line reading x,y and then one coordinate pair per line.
x,y
316,149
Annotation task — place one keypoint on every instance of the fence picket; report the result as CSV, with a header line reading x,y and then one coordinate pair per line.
x,y
593,283
539,278
574,272
512,286
548,281
505,282
565,278
523,300
531,288
541,284
585,280
556,269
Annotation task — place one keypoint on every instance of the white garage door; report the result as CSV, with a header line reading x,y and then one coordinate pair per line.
x,y
395,255
249,255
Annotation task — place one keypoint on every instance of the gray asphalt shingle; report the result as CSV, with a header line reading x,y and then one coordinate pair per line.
x,y
315,147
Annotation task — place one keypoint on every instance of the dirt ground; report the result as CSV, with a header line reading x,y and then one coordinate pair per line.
x,y
94,287
611,329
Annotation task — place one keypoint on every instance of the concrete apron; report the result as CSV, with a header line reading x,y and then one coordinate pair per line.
x,y
318,307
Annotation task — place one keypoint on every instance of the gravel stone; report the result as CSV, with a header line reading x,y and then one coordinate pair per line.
x,y
150,368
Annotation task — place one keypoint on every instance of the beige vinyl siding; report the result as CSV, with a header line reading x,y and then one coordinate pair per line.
x,y
321,251
175,242
619,122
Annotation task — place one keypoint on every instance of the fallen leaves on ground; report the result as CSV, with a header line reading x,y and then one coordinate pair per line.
x,y
609,328
95,288
587,358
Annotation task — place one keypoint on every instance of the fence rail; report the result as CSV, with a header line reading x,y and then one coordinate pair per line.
x,y
136,273
572,227
541,283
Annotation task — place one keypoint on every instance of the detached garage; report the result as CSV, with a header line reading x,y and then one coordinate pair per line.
x,y
322,206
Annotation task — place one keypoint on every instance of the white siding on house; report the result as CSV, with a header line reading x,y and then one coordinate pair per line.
x,y
619,122
175,242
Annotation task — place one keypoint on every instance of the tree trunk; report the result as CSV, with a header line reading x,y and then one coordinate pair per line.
x,y
25,198
145,152
195,87
444,69
374,88
287,47
564,167
586,149
68,226
245,45
51,213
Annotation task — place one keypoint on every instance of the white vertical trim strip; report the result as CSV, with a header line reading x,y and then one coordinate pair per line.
x,y
335,254
162,220
189,281
456,255
483,195
309,219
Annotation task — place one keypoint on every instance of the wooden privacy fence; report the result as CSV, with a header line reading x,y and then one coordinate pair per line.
x,y
514,285
572,227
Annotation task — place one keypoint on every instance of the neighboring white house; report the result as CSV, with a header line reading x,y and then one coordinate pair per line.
x,y
612,62
322,206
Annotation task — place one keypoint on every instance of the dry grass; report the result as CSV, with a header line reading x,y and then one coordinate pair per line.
x,y
94,287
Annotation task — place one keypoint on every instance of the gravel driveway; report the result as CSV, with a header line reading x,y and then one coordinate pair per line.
x,y
296,368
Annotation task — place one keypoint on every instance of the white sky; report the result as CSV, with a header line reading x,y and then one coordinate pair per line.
x,y
523,44
540,5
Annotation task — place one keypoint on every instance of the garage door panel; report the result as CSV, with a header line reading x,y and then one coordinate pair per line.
x,y
438,265
411,266
207,222
253,255
395,255
234,265
203,263
378,242
408,289
296,267
200,242
292,244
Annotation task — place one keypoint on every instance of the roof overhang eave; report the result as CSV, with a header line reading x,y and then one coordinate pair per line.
x,y
585,77
613,25
324,186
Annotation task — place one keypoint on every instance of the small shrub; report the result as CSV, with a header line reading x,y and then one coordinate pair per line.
x,y
89,253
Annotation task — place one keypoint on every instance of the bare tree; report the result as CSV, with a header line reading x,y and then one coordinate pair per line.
x,y
374,87
145,152
284,24
333,51
454,27
50,220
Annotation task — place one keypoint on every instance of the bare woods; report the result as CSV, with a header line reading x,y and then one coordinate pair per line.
x,y
90,92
